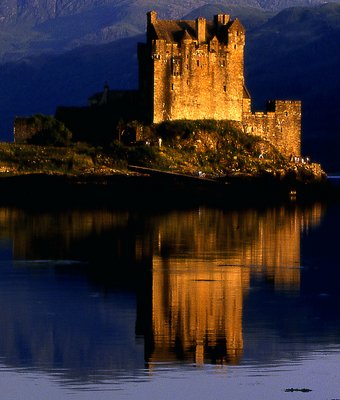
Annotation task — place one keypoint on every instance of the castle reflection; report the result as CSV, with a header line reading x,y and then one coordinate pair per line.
x,y
202,269
191,271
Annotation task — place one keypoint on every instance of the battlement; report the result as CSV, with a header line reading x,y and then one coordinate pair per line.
x,y
280,124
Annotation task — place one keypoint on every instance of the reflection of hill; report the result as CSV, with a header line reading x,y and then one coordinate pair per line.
x,y
53,322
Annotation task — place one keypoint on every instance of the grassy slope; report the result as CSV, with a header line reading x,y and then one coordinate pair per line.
x,y
16,159
197,148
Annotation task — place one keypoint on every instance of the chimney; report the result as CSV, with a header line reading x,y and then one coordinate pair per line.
x,y
221,19
151,17
201,26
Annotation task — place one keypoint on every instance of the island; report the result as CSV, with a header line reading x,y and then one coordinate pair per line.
x,y
187,134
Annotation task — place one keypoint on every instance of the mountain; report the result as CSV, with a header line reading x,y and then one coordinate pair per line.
x,y
33,27
251,17
37,11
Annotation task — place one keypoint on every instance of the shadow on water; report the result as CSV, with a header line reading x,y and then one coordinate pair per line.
x,y
105,293
158,191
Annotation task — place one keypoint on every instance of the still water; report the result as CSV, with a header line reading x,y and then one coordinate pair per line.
x,y
199,303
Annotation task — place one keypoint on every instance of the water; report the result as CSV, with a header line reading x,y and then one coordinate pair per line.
x,y
199,303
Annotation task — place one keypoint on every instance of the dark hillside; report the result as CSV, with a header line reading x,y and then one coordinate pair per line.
x,y
39,85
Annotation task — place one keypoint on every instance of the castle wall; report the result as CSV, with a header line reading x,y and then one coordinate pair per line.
x,y
280,125
194,79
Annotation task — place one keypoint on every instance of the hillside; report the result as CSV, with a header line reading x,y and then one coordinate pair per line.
x,y
196,161
31,27
35,12
213,149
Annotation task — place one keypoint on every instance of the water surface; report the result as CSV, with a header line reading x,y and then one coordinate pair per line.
x,y
187,304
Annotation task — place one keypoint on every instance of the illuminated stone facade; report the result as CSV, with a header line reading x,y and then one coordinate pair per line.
x,y
195,70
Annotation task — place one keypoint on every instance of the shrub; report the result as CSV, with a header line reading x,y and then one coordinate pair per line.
x,y
118,151
49,132
143,155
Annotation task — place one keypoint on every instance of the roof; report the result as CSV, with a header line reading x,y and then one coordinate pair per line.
x,y
172,31
186,36
236,25
246,94
176,30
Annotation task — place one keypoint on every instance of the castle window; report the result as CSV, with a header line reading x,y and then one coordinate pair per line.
x,y
188,82
172,87
198,63
176,66
225,88
223,63
234,46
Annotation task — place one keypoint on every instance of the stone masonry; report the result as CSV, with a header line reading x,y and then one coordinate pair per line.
x,y
195,70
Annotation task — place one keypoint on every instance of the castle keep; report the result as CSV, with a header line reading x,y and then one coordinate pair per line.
x,y
195,70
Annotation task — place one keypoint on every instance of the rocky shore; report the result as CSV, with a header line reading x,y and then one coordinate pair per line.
x,y
189,172
155,189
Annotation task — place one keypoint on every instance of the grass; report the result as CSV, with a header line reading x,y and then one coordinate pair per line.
x,y
214,149
81,159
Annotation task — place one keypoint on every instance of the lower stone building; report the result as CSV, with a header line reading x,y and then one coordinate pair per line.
x,y
280,124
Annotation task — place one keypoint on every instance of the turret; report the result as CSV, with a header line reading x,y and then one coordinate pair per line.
x,y
201,27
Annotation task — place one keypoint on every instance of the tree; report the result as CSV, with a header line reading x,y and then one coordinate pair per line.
x,y
49,131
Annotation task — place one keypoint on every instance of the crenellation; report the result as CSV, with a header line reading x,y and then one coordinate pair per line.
x,y
221,19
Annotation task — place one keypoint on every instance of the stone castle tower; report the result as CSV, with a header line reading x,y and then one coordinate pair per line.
x,y
195,70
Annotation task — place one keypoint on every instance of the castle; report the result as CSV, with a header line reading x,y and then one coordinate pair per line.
x,y
195,70
187,70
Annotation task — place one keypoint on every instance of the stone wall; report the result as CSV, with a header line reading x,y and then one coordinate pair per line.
x,y
196,77
280,125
